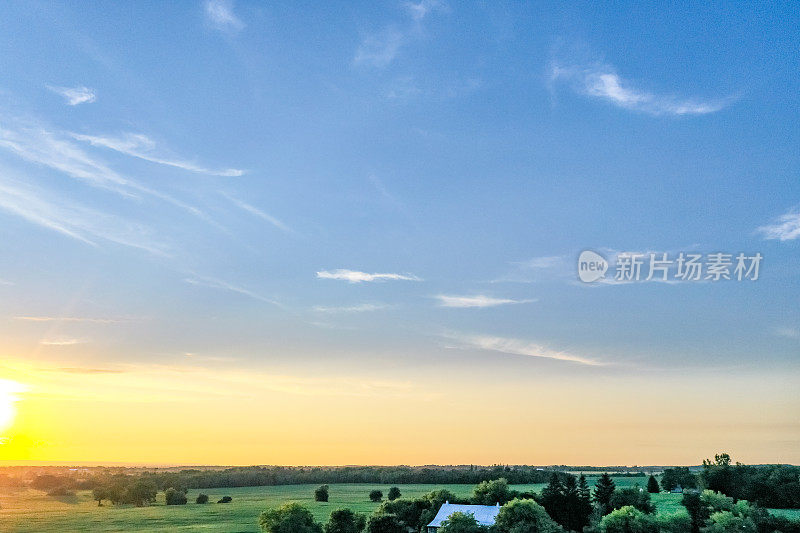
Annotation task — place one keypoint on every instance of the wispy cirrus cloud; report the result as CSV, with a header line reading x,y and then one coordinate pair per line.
x,y
359,308
215,283
142,147
74,220
42,145
785,228
518,347
75,95
61,342
71,319
355,276
602,82
536,269
86,370
258,213
478,300
379,49
219,14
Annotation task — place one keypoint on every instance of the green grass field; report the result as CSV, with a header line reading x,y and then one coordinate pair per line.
x,y
31,511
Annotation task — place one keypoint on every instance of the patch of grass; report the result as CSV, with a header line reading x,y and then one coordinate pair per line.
x,y
28,511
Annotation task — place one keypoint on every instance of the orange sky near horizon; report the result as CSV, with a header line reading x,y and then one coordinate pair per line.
x,y
195,415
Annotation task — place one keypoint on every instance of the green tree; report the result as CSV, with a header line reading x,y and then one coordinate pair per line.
x,y
652,485
376,495
321,493
584,503
345,521
140,493
628,519
99,494
678,522
525,516
461,523
679,476
289,518
718,475
175,497
394,493
603,490
491,492
201,498
729,522
385,523
632,496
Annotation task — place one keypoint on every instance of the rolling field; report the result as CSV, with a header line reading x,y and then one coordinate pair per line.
x,y
30,511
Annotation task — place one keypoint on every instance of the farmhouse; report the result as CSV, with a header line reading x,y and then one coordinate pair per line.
x,y
485,515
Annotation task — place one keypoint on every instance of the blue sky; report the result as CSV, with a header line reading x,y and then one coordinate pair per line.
x,y
395,190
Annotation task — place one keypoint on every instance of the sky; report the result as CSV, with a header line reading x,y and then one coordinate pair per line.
x,y
348,233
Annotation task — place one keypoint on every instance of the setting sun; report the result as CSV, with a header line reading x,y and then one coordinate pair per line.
x,y
8,397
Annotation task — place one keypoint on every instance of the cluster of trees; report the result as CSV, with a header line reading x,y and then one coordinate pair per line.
x,y
140,491
707,512
775,486
126,490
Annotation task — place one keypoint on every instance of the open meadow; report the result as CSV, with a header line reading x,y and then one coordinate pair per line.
x,y
28,510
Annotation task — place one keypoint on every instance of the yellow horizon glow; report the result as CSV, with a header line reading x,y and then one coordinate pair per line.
x,y
190,415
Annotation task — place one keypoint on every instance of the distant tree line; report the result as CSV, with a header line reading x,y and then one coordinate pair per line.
x,y
255,476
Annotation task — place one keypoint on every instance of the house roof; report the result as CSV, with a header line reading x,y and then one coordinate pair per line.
x,y
485,515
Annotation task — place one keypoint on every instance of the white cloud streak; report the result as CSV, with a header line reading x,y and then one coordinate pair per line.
x,y
478,300
355,276
75,95
602,82
61,342
224,285
785,228
220,15
360,308
75,221
142,147
71,319
258,213
40,145
380,49
520,347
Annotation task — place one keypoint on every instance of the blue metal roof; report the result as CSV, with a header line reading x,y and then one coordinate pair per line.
x,y
485,515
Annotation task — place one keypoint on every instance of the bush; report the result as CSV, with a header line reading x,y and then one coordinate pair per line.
x,y
394,493
376,495
321,494
525,516
60,492
628,519
632,496
175,497
345,521
289,518
385,523
491,492
462,523
225,499
201,498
